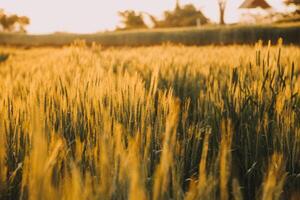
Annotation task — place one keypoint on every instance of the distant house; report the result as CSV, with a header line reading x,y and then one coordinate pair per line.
x,y
250,4
256,11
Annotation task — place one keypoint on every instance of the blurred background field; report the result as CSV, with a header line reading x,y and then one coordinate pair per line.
x,y
218,22
207,35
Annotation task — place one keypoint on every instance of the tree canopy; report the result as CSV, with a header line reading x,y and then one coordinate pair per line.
x,y
13,23
184,16
294,2
131,20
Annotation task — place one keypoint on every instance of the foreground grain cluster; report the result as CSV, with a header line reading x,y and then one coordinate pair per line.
x,y
165,122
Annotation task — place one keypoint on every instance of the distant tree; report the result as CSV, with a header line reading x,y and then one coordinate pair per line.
x,y
13,23
184,16
294,2
23,22
8,22
132,20
222,7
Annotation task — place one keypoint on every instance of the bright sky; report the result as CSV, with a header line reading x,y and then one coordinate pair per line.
x,y
86,16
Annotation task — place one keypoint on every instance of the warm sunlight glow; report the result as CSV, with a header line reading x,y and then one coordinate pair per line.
x,y
84,16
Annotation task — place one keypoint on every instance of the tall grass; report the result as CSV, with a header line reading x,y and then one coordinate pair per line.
x,y
165,122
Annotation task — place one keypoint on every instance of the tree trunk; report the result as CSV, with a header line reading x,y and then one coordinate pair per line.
x,y
222,14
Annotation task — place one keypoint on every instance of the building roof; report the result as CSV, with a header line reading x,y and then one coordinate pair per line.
x,y
255,4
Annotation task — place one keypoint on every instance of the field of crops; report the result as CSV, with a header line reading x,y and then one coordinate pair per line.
x,y
161,122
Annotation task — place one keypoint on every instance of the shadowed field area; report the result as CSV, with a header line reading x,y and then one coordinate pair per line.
x,y
206,35
162,122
